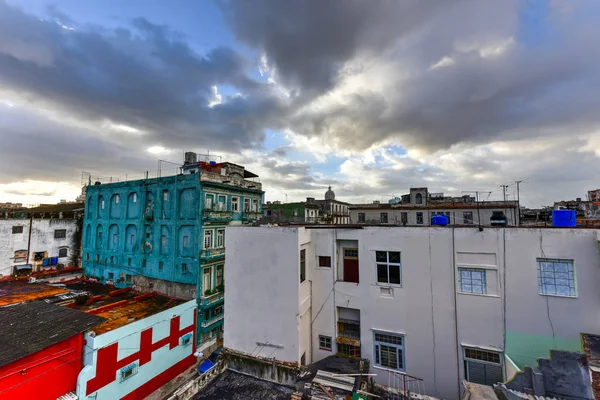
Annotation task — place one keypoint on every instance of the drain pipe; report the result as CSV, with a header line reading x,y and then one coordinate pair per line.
x,y
455,310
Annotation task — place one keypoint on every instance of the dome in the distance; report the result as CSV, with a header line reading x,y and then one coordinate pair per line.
x,y
329,195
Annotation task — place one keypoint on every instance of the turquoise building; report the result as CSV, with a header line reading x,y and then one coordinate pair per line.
x,y
167,234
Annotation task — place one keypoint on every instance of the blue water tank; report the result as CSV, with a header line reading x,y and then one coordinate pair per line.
x,y
564,218
440,220
213,162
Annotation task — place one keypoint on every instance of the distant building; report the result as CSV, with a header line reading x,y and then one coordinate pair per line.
x,y
585,211
442,304
10,206
333,211
40,238
418,208
302,212
594,195
167,234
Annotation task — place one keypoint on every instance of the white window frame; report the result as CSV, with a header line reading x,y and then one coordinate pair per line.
x,y
208,201
208,235
254,206
247,205
220,238
467,360
388,264
323,339
235,204
461,280
569,277
378,342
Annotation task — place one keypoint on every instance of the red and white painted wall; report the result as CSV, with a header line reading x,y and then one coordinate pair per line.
x,y
134,360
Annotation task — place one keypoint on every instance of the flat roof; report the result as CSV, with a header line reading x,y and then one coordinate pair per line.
x,y
29,327
230,385
18,291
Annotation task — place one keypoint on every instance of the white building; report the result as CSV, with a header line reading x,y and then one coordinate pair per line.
x,y
441,304
34,244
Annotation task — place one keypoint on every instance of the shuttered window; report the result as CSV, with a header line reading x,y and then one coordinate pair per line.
x,y
483,367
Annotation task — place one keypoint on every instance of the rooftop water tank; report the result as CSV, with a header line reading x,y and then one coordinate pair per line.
x,y
564,218
440,220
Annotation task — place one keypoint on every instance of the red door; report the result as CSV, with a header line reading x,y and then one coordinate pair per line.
x,y
351,265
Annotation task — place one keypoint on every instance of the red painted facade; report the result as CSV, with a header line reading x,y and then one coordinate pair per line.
x,y
47,374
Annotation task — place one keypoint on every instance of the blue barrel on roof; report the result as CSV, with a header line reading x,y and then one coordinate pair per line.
x,y
564,218
440,220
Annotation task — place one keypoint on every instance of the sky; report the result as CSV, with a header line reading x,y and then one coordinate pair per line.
x,y
369,97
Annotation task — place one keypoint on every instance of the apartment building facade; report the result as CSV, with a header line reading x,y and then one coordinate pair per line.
x,y
167,234
418,208
441,304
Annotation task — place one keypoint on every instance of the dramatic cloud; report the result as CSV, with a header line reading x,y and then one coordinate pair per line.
x,y
371,97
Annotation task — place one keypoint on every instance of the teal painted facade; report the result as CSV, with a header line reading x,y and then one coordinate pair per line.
x,y
169,228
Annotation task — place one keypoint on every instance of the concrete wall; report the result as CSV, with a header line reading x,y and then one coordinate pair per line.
x,y
437,321
101,374
262,291
42,239
171,289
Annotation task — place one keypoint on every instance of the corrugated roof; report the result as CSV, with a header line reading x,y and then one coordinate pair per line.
x,y
27,328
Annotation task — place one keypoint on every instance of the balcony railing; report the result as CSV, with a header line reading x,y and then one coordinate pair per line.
x,y
213,298
350,334
217,212
210,253
212,320
252,215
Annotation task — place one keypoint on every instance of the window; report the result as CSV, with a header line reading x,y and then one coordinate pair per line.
x,y
60,233
246,205
420,218
389,269
165,195
472,280
324,261
219,275
132,239
160,265
348,349
183,268
163,240
116,199
111,276
135,197
19,229
128,278
404,218
144,263
383,218
186,241
302,265
419,198
129,261
361,217
482,367
128,371
97,257
220,238
209,202
556,277
235,204
325,342
102,204
112,259
115,238
468,217
389,351
207,239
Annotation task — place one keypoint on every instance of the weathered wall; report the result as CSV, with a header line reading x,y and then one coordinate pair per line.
x,y
437,321
262,289
171,289
42,239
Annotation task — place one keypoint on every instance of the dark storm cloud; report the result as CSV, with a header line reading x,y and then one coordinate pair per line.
x,y
506,77
147,77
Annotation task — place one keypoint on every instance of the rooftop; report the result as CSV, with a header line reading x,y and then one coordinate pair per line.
x,y
12,292
230,385
116,307
27,328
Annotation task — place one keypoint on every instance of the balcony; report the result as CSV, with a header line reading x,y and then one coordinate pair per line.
x,y
212,299
212,320
217,213
251,215
210,254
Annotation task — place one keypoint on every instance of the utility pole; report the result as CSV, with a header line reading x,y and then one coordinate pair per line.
x,y
504,197
518,202
477,202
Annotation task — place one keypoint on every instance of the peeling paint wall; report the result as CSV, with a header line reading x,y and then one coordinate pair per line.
x,y
42,240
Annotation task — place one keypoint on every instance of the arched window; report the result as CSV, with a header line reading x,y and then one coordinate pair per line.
x,y
99,237
419,198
